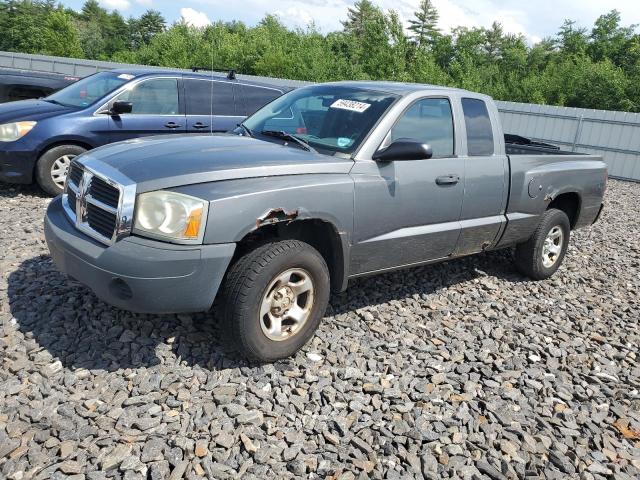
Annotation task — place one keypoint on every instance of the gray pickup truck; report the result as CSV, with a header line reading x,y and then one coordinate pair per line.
x,y
325,184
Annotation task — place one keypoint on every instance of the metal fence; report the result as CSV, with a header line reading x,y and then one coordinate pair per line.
x,y
614,135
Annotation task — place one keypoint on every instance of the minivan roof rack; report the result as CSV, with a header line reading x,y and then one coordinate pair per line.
x,y
231,72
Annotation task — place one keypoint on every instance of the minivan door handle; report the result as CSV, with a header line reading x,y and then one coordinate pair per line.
x,y
200,125
448,180
172,125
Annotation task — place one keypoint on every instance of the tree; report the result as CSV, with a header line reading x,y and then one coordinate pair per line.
x,y
363,11
424,25
146,27
572,40
61,36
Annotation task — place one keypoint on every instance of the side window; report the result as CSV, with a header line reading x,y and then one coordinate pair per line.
x,y
479,131
153,97
223,100
251,99
429,121
201,95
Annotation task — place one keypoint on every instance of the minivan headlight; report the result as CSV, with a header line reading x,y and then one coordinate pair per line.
x,y
170,216
10,132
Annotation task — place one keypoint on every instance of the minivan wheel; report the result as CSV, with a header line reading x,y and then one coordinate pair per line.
x,y
541,255
273,299
53,165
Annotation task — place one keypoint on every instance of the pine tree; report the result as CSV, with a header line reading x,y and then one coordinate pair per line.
x,y
358,15
425,24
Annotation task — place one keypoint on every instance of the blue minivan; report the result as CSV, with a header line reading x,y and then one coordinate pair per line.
x,y
39,138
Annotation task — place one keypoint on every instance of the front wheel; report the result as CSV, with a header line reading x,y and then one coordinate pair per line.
x,y
53,165
541,255
274,298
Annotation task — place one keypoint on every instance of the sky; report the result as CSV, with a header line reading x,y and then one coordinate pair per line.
x,y
534,19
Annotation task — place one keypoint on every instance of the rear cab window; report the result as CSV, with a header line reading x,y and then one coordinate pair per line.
x,y
479,128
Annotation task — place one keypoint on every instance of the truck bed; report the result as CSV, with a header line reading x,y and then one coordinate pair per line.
x,y
517,145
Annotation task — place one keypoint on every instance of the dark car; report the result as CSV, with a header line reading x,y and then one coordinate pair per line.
x,y
22,85
39,138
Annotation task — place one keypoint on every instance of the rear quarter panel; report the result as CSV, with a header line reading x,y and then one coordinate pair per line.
x,y
538,179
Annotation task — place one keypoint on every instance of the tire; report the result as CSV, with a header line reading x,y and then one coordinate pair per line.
x,y
252,284
54,160
538,261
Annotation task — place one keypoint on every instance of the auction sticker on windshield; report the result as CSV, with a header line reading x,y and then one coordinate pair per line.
x,y
350,105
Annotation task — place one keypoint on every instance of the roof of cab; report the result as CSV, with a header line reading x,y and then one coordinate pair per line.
x,y
400,88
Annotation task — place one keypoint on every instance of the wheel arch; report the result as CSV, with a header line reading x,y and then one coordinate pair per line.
x,y
320,234
570,203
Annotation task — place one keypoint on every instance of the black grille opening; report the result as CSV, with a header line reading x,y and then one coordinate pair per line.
x,y
71,199
75,174
101,221
102,191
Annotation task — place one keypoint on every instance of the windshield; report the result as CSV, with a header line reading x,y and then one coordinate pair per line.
x,y
89,90
330,118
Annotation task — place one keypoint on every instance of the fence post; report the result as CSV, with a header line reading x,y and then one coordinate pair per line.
x,y
578,132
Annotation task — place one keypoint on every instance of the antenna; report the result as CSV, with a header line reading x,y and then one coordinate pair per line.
x,y
211,82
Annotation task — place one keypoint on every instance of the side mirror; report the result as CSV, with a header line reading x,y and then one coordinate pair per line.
x,y
118,108
404,149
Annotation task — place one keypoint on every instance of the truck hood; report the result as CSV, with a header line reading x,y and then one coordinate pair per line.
x,y
25,110
168,161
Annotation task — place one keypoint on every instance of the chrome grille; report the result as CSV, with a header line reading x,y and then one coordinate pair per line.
x,y
103,192
94,203
75,174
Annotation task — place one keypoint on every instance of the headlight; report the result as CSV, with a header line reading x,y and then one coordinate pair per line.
x,y
170,216
10,132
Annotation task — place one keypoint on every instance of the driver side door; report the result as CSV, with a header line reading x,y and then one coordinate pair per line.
x,y
156,110
407,211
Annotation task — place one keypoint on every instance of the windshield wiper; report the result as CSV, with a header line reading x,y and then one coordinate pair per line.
x,y
56,102
290,137
246,129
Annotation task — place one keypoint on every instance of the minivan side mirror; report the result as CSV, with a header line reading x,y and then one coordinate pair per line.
x,y
404,149
118,108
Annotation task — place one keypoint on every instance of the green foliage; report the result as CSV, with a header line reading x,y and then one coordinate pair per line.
x,y
424,25
597,68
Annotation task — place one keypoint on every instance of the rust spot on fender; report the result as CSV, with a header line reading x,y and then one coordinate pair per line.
x,y
276,215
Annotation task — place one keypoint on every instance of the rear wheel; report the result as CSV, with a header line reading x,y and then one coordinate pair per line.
x,y
274,298
53,165
541,255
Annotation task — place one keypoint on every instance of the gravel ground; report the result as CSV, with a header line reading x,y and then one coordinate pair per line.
x,y
459,370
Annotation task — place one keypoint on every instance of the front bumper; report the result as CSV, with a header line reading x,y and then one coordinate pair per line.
x,y
135,273
16,166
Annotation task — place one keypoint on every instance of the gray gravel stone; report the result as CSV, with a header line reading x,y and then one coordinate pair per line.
x,y
459,370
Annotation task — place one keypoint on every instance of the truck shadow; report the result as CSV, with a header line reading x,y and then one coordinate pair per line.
x,y
63,317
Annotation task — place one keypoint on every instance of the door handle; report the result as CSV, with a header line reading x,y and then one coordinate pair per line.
x,y
448,180
172,125
200,125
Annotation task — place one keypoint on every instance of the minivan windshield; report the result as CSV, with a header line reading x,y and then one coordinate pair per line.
x,y
89,90
330,118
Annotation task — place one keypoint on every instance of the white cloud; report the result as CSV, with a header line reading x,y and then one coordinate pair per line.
x,y
116,4
295,16
146,3
535,20
194,17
